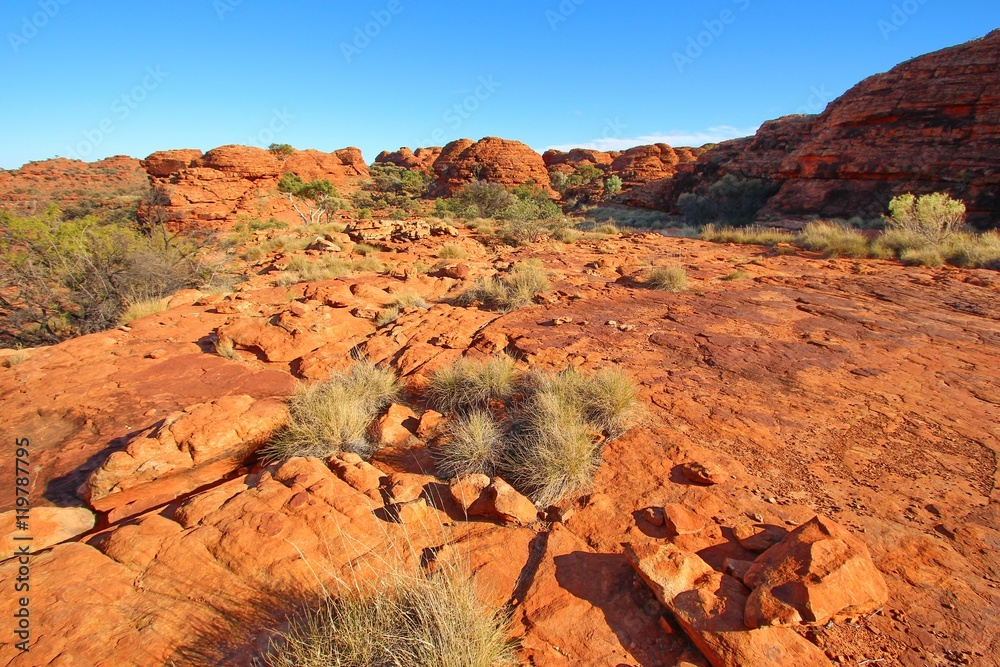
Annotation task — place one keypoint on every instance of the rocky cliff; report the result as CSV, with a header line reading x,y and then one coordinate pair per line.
x,y
72,185
930,124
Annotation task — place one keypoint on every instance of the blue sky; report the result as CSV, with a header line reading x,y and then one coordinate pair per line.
x,y
92,78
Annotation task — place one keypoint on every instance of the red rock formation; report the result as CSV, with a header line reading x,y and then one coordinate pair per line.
x,y
509,163
214,190
643,164
422,159
567,162
71,184
892,133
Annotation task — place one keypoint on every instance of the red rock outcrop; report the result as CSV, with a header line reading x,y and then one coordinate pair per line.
x,y
567,162
422,159
73,185
225,184
890,134
509,163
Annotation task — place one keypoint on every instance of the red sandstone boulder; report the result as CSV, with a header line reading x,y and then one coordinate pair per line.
x,y
422,159
818,572
708,605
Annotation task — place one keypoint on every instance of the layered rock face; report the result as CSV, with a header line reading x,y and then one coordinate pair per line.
x,y
213,190
70,184
509,163
930,124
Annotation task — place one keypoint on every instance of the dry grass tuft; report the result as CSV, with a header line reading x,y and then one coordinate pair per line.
x,y
515,290
333,416
470,384
141,308
834,240
668,278
16,358
474,444
452,251
406,619
766,236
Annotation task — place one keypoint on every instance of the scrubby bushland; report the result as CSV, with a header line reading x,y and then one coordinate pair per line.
x,y
410,619
510,292
319,199
668,278
64,278
731,200
335,415
925,231
481,199
300,269
394,189
542,431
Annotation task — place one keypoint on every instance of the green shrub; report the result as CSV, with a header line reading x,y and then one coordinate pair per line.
x,y
974,250
612,185
335,415
766,236
933,217
474,443
732,200
281,150
469,385
834,240
515,290
668,278
66,278
403,619
270,223
452,251
319,198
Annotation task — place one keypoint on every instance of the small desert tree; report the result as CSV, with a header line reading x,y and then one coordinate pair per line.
x,y
612,185
318,197
932,217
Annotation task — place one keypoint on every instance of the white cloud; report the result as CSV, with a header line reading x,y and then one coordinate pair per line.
x,y
712,135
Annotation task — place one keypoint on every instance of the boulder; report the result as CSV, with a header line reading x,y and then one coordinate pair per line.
x,y
509,163
709,605
682,521
478,495
820,571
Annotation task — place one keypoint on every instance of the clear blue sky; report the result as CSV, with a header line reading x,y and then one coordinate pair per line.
x,y
92,78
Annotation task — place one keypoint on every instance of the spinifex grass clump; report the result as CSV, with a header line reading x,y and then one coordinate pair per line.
x,y
668,278
515,290
335,415
404,619
541,431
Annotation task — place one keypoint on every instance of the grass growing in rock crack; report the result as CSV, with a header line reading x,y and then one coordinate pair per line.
x,y
18,357
404,619
400,301
668,278
515,290
335,415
